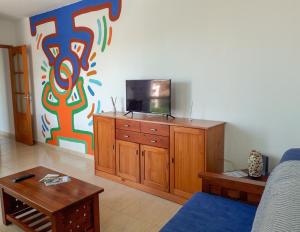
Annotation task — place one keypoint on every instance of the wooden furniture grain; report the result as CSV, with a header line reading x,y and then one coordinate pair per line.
x,y
21,97
242,189
155,167
128,160
261,178
158,155
72,206
104,131
19,78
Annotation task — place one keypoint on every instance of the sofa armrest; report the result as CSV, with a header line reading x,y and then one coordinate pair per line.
x,y
245,190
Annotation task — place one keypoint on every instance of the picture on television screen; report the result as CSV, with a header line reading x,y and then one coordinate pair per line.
x,y
148,96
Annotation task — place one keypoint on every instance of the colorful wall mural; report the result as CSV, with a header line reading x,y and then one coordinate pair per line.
x,y
68,72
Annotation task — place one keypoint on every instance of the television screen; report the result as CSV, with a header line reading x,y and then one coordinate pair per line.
x,y
148,96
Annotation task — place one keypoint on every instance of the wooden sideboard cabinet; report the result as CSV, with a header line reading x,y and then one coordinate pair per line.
x,y
158,155
105,145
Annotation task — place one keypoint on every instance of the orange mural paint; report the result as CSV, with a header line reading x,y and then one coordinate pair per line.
x,y
65,111
39,41
109,36
92,111
79,48
93,56
90,73
46,119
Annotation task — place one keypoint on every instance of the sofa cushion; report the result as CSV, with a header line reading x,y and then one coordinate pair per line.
x,y
292,154
279,208
209,213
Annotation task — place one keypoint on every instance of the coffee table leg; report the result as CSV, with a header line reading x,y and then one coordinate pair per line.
x,y
57,222
71,218
96,213
5,202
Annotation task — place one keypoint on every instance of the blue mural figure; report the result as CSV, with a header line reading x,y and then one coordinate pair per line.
x,y
67,32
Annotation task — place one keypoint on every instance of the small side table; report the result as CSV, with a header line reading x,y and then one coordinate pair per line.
x,y
263,178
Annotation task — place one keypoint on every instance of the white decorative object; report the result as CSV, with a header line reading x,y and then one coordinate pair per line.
x,y
255,164
114,102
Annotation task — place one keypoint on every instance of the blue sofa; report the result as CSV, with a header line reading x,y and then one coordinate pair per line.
x,y
206,212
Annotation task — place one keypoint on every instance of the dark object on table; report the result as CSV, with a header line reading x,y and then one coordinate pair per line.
x,y
18,179
265,170
73,206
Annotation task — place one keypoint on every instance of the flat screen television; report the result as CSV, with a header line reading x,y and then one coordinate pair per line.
x,y
148,96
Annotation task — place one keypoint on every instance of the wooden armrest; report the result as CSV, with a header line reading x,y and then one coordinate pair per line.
x,y
242,189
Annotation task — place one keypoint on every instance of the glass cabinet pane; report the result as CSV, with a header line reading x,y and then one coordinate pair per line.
x,y
18,62
19,81
21,103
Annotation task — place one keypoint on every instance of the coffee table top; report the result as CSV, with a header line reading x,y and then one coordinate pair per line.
x,y
48,199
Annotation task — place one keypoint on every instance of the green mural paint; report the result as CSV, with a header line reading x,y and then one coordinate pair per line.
x,y
105,34
99,30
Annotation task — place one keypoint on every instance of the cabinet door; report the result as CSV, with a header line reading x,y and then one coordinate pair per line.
x,y
128,160
187,160
105,155
155,167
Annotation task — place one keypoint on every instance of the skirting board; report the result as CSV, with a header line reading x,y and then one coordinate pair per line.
x,y
7,134
62,149
165,195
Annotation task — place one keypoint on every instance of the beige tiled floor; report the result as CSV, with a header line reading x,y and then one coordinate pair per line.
x,y
121,208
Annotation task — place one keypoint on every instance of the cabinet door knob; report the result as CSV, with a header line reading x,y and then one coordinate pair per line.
x,y
113,147
126,125
153,129
137,152
126,136
153,141
143,153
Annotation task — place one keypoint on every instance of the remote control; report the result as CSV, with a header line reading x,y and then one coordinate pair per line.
x,y
18,179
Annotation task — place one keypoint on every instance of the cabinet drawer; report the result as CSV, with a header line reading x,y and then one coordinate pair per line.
x,y
129,136
155,140
128,125
154,128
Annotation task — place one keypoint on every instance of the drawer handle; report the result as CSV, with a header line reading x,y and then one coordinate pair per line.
x,y
153,129
153,141
126,125
126,136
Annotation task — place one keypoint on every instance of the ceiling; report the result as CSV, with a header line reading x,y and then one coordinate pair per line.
x,y
15,9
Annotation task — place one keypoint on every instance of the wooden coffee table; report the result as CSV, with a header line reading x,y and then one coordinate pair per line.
x,y
72,206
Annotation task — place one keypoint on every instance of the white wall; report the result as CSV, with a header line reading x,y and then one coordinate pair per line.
x,y
8,31
238,61
7,37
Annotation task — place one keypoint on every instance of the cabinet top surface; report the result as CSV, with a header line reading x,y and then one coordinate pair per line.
x,y
185,122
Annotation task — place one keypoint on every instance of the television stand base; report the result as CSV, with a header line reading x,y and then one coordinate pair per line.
x,y
129,112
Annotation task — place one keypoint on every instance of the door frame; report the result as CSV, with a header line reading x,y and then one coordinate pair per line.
x,y
9,48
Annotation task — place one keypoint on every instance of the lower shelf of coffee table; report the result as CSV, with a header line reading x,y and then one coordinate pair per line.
x,y
29,219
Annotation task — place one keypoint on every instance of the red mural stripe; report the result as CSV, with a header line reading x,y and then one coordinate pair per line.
x,y
90,73
46,119
39,41
109,36
92,111
93,56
